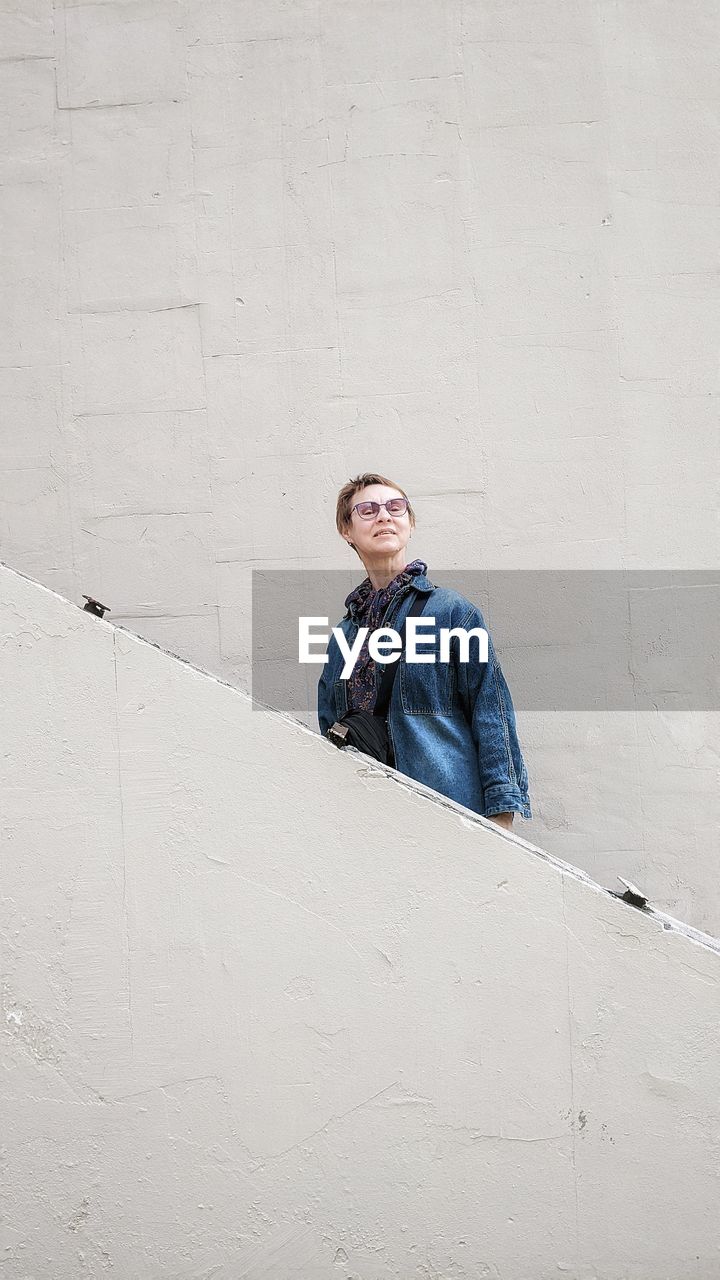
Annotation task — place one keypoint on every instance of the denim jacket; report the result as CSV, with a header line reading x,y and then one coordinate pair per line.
x,y
451,724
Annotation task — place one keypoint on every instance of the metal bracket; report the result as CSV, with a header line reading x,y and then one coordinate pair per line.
x,y
95,607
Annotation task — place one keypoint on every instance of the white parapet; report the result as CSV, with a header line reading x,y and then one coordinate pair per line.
x,y
269,1011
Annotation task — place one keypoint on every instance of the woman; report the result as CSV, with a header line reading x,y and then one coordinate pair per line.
x,y
451,724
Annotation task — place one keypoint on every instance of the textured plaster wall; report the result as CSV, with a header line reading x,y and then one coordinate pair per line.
x,y
250,247
241,1038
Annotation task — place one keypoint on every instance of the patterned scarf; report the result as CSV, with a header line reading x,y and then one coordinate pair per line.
x,y
371,608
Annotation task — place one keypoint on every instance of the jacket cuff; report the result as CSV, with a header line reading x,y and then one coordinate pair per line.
x,y
506,798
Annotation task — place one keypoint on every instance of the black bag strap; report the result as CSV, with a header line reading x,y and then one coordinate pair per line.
x,y
387,679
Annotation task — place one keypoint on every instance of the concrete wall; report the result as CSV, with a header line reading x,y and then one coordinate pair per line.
x,y
252,247
268,1012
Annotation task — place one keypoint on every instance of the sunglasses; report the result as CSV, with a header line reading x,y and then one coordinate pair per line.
x,y
394,507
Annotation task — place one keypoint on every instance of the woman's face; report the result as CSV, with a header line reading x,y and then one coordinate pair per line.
x,y
384,536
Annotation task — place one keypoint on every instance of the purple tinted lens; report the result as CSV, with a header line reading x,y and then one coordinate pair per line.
x,y
397,506
367,508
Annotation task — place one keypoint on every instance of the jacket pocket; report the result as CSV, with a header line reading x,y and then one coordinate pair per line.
x,y
426,689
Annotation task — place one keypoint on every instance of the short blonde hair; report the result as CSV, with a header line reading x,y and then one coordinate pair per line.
x,y
343,513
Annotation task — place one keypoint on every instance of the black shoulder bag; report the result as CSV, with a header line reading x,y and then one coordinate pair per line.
x,y
367,731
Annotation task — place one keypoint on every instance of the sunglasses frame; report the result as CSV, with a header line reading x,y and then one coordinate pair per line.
x,y
379,506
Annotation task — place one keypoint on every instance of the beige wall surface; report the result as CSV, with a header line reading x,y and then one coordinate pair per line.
x,y
269,1012
250,247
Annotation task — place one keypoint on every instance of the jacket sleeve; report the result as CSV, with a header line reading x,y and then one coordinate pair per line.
x,y
488,706
326,698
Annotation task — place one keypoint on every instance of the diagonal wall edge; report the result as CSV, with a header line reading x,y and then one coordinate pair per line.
x,y
271,1011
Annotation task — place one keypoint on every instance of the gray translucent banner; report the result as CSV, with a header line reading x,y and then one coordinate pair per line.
x,y
568,640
